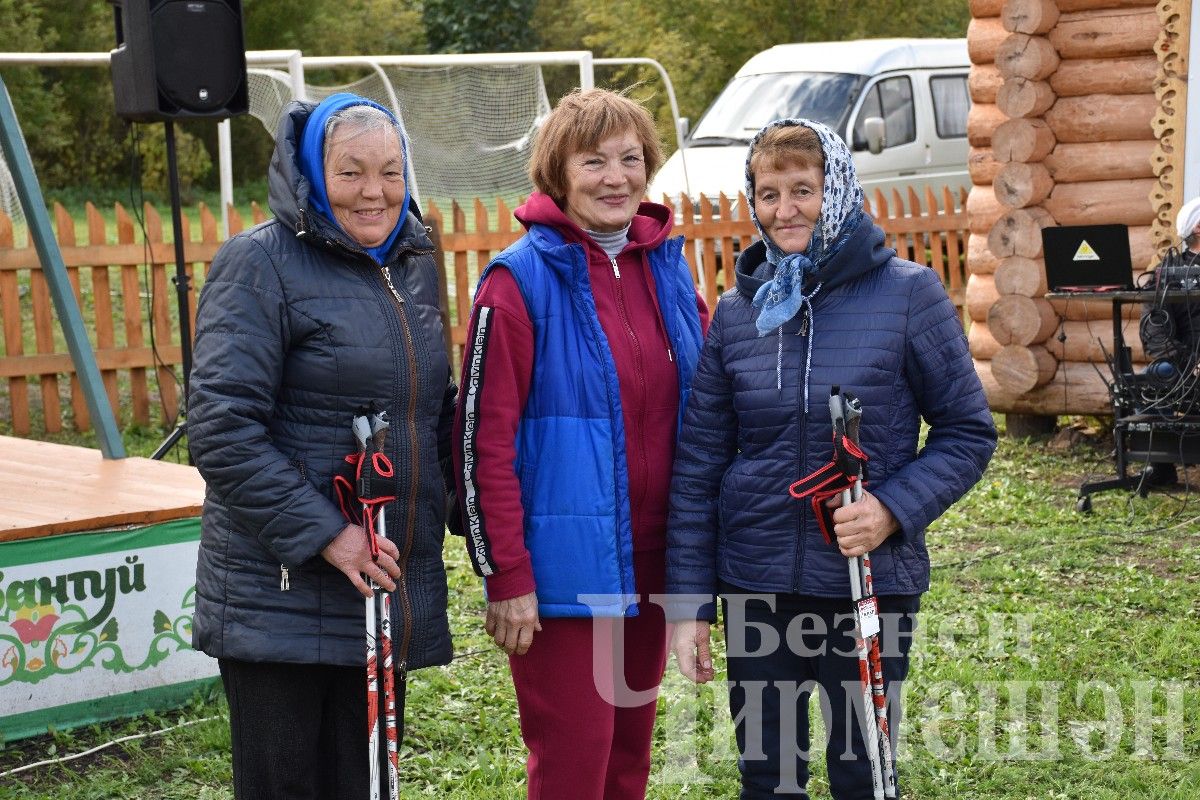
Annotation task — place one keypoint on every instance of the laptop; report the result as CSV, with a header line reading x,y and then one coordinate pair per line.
x,y
1087,258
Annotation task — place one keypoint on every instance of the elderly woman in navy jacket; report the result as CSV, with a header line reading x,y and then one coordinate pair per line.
x,y
303,320
819,302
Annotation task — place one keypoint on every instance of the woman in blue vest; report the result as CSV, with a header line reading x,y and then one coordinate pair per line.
x,y
819,301
583,340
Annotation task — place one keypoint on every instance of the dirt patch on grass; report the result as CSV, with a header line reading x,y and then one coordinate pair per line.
x,y
38,748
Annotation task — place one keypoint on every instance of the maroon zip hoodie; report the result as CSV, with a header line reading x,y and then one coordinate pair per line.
x,y
623,289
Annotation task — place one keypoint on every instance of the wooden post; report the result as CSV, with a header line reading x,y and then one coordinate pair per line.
x,y
14,336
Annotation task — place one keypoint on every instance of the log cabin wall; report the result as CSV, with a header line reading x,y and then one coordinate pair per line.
x,y
1077,118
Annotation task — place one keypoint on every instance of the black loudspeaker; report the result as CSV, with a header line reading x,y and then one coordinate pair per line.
x,y
179,59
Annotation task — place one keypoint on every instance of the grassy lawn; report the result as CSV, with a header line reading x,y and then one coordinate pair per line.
x,y
1057,657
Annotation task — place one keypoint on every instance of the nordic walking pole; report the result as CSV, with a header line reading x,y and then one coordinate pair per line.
x,y
370,431
846,412
379,426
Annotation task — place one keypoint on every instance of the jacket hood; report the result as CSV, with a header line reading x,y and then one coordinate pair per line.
x,y
291,195
650,227
864,251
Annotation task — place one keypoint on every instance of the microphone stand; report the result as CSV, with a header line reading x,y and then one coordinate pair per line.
x,y
182,288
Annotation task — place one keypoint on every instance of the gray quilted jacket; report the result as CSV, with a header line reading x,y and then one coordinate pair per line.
x,y
296,330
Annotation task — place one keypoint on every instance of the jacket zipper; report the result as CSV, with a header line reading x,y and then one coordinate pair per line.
x,y
285,576
414,467
799,563
640,368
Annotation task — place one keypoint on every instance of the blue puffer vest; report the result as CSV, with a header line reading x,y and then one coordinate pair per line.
x,y
571,438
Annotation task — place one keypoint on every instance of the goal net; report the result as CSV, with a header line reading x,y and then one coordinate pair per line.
x,y
470,126
10,204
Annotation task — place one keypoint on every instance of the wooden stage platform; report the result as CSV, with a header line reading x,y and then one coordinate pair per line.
x,y
97,587
48,489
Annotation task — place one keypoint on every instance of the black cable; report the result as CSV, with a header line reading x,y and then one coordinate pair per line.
x,y
137,203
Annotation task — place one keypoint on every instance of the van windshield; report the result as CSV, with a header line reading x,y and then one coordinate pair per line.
x,y
751,101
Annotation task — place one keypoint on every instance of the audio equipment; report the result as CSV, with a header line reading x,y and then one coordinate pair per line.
x,y
179,59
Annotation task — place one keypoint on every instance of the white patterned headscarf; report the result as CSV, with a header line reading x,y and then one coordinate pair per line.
x,y
842,199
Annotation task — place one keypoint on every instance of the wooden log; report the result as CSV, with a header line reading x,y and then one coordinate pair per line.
x,y
983,82
1130,75
983,209
1019,97
1095,161
1021,276
1095,312
985,8
984,35
1025,140
1068,6
1014,319
1125,202
1024,56
1142,249
1020,369
981,342
982,121
980,260
982,166
1029,16
1104,33
1103,118
1090,341
980,296
1075,389
1019,232
1020,185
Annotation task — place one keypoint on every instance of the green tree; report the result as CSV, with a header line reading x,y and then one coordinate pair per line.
x,y
471,26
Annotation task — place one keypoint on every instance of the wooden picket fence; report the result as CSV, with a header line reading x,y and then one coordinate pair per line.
x,y
715,232
128,301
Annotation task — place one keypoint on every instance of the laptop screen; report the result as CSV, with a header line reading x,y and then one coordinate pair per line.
x,y
1087,257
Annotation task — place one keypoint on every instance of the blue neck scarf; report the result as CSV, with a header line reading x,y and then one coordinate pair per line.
x,y
780,298
312,164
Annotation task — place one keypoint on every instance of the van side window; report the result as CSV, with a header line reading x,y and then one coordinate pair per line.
x,y
951,102
891,99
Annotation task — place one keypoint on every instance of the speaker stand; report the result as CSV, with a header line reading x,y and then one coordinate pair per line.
x,y
182,287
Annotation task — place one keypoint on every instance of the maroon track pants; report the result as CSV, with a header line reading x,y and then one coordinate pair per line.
x,y
586,691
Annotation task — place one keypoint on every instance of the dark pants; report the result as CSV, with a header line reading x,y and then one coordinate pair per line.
x,y
772,678
299,731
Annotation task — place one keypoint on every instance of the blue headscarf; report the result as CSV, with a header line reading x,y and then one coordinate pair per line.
x,y
312,162
842,198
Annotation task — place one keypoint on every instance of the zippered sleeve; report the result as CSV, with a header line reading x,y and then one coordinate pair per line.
x,y
497,365
242,330
707,446
962,436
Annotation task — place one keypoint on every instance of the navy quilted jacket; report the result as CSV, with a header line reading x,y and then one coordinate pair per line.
x,y
296,330
884,330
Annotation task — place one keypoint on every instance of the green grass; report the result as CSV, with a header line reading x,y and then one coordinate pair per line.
x,y
1041,624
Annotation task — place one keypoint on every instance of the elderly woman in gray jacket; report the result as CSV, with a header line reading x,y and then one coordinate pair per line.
x,y
303,320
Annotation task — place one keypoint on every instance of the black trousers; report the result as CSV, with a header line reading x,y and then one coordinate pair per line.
x,y
299,731
776,658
